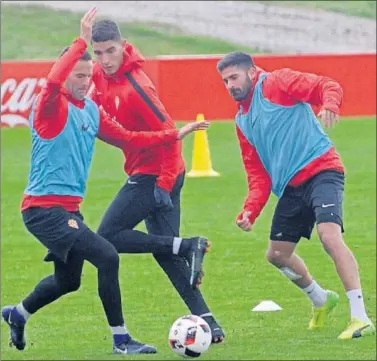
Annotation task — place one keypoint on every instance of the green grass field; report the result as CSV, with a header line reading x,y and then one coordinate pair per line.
x,y
237,274
37,32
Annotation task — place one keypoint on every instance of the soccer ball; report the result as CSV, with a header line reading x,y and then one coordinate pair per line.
x,y
190,336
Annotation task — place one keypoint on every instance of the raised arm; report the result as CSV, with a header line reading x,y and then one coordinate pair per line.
x,y
114,134
50,109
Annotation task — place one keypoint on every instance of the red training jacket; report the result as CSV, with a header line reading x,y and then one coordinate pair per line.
x,y
287,87
130,98
51,115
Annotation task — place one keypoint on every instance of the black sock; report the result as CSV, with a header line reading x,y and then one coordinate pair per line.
x,y
176,269
185,247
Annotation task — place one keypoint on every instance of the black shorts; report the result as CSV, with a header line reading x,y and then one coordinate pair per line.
x,y
56,228
318,200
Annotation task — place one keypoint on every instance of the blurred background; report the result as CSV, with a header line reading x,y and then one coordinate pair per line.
x,y
197,27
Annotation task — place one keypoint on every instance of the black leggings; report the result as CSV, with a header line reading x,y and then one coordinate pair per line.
x,y
134,203
67,277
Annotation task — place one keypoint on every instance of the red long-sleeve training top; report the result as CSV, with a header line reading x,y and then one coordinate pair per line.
x,y
51,115
287,87
130,98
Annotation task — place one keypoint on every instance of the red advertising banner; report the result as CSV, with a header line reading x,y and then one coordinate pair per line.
x,y
191,85
20,84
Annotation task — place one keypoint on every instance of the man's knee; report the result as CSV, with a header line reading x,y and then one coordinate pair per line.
x,y
109,257
279,252
275,257
330,235
68,286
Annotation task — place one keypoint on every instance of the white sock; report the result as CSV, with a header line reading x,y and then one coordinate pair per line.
x,y
176,244
119,330
22,311
357,306
316,293
208,314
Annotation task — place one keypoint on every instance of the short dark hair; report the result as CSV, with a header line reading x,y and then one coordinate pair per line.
x,y
105,30
236,58
86,56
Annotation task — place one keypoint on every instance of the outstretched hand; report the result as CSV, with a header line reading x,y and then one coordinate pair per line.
x,y
192,127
